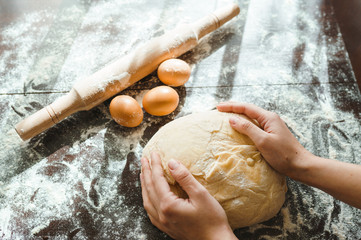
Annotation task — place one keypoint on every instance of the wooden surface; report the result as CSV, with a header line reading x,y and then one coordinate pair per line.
x,y
79,180
124,72
348,16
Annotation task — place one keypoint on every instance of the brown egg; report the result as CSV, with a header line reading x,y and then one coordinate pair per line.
x,y
160,101
126,111
174,72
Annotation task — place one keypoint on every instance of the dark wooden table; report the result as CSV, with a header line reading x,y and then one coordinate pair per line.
x,y
79,179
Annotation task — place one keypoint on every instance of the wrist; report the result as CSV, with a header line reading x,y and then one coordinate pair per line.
x,y
224,232
302,166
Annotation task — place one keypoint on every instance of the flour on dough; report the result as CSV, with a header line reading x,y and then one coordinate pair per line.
x,y
227,163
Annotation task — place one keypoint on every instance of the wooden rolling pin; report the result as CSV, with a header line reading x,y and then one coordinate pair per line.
x,y
124,72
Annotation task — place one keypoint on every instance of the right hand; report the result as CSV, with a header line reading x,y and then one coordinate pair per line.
x,y
286,155
274,140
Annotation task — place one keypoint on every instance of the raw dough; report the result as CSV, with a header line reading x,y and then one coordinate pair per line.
x,y
227,163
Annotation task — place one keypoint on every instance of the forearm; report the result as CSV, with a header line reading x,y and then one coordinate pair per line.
x,y
286,155
339,179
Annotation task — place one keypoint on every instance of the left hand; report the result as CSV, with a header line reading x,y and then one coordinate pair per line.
x,y
198,217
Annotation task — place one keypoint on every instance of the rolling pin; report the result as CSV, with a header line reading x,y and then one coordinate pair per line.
x,y
122,73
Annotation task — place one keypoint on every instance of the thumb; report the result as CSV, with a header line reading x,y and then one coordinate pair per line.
x,y
184,178
246,127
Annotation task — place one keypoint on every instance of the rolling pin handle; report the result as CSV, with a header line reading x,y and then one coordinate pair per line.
x,y
124,72
35,124
49,115
215,20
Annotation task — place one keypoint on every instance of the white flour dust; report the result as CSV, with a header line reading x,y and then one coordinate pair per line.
x,y
89,185
24,36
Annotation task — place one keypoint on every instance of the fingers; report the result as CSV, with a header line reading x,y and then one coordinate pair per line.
x,y
148,184
250,110
185,179
147,203
160,184
155,189
150,200
246,127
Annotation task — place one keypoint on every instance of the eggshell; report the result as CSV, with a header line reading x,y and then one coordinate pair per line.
x,y
174,72
160,101
126,111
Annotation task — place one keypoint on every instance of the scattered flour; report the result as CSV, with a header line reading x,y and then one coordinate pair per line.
x,y
87,185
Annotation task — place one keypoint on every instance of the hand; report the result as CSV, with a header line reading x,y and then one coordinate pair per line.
x,y
274,140
285,154
198,217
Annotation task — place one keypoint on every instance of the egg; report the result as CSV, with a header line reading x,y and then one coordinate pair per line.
x,y
160,101
174,72
126,111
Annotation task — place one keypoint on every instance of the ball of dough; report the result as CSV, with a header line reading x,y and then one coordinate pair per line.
x,y
174,72
227,163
